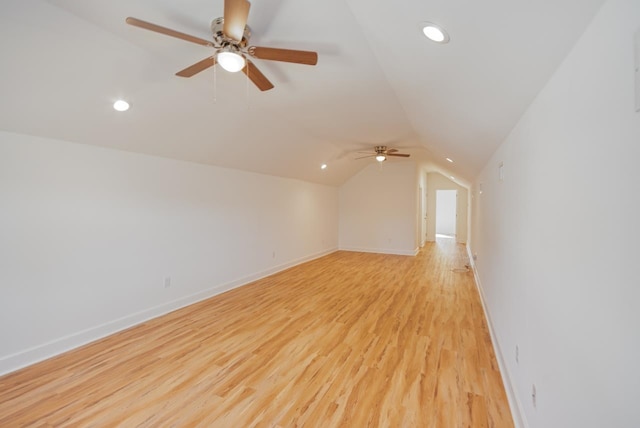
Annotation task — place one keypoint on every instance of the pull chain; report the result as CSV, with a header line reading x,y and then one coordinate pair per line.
x,y
247,85
215,83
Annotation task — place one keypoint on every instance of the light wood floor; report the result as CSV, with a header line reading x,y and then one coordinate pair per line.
x,y
350,339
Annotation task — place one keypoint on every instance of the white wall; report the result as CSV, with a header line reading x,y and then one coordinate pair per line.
x,y
379,209
557,240
421,228
88,235
435,182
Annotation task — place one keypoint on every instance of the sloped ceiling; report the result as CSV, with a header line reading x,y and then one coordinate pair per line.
x,y
378,80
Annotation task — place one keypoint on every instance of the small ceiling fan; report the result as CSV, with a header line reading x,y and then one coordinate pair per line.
x,y
381,153
231,35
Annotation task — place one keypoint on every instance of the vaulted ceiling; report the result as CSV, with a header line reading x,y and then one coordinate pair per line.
x,y
378,79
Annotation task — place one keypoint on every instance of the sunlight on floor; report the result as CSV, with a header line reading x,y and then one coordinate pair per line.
x,y
440,235
448,245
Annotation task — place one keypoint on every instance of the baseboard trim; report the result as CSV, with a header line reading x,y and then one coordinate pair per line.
x,y
413,252
517,410
36,354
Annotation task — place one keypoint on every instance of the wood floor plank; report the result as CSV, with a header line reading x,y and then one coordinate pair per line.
x,y
350,339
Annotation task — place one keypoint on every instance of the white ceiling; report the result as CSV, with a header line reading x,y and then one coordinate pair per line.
x,y
378,80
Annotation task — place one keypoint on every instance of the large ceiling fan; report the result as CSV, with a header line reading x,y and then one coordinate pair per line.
x,y
231,43
381,153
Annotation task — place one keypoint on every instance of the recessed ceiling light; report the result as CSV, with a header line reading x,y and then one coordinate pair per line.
x,y
323,166
435,32
121,105
449,159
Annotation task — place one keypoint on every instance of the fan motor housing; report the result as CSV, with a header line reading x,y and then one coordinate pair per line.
x,y
221,40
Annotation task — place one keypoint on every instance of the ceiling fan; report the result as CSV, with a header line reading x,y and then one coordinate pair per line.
x,y
231,35
381,153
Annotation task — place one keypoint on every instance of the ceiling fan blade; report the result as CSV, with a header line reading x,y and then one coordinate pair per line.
x,y
362,157
197,67
286,55
257,77
236,13
401,155
392,150
167,31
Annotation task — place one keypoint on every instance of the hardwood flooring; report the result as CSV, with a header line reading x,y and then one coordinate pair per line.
x,y
347,340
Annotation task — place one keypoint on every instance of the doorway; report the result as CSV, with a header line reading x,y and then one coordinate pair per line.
x,y
446,213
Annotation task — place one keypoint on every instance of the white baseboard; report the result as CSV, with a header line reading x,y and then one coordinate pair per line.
x,y
58,346
517,410
413,252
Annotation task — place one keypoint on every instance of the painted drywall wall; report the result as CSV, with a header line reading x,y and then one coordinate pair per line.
x,y
378,209
421,228
557,280
435,182
88,237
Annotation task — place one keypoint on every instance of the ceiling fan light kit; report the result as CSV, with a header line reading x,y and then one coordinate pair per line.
x,y
231,61
230,40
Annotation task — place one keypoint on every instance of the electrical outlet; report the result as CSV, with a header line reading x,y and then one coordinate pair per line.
x,y
517,354
533,396
167,281
273,255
